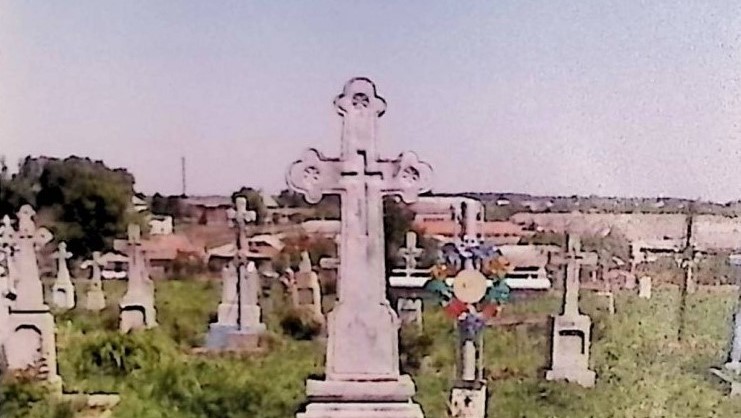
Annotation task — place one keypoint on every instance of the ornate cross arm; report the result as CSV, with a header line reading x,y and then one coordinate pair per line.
x,y
314,175
406,176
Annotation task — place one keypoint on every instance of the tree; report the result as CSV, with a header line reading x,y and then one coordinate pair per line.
x,y
254,201
89,201
167,205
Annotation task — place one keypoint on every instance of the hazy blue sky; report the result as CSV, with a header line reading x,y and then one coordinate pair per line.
x,y
621,97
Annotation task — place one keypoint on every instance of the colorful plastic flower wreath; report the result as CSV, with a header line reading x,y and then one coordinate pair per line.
x,y
471,316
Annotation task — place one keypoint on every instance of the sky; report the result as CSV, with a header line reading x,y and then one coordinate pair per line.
x,y
612,98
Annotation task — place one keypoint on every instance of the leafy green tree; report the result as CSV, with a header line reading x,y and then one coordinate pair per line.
x,y
89,201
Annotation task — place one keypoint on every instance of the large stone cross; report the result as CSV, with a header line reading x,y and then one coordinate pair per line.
x,y
365,347
575,258
137,263
29,239
410,252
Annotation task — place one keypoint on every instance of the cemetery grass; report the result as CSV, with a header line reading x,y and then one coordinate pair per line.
x,y
642,370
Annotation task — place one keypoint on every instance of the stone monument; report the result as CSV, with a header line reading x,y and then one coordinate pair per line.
x,y
409,309
731,371
63,291
362,367
239,323
95,297
30,341
571,330
137,309
308,291
644,287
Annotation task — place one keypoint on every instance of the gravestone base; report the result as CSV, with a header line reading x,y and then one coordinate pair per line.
x,y
400,390
136,316
31,341
468,402
231,338
362,410
63,296
95,300
570,351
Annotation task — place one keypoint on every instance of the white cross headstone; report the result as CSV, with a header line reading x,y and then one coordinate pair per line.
x,y
362,350
239,323
95,297
30,340
137,305
27,240
63,291
572,330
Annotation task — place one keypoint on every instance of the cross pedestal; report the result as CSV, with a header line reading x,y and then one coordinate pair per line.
x,y
63,291
137,309
362,367
571,338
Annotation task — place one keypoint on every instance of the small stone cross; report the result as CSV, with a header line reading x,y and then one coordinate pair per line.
x,y
135,235
240,217
95,263
410,252
62,254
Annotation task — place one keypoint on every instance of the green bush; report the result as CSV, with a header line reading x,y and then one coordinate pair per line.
x,y
301,323
20,397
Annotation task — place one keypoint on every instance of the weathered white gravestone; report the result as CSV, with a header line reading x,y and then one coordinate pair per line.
x,y
409,309
30,340
572,330
362,367
63,291
308,291
7,294
239,323
731,372
137,309
95,297
644,287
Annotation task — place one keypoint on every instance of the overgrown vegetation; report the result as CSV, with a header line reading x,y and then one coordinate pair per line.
x,y
642,371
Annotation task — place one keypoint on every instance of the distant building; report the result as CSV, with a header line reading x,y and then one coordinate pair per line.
x,y
496,232
208,210
161,225
162,251
260,248
322,227
444,208
138,203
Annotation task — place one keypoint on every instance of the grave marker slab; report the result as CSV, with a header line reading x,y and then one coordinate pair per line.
x,y
30,341
239,324
63,291
137,309
95,297
571,337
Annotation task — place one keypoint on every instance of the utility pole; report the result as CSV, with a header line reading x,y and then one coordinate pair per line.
x,y
688,257
182,175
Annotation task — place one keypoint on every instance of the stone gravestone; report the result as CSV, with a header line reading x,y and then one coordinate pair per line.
x,y
6,291
95,297
409,309
137,309
362,366
63,291
571,338
731,372
308,290
30,341
644,287
239,323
